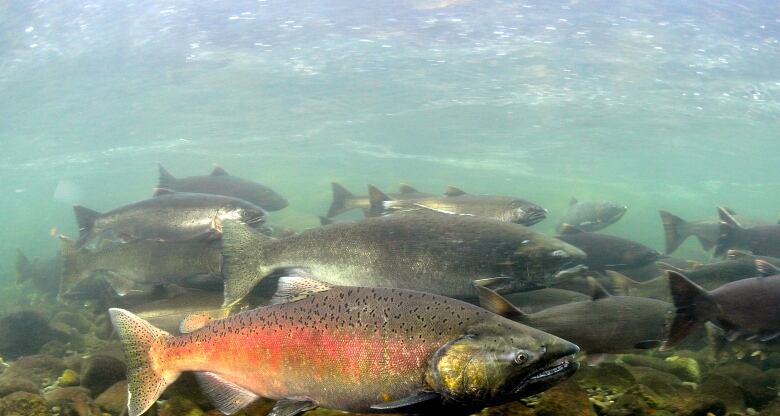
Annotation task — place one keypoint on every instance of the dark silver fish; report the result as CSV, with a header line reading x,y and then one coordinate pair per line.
x,y
745,307
608,252
456,201
427,251
219,182
170,216
603,325
762,240
592,215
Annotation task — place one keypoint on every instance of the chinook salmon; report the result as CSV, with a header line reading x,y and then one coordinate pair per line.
x,y
456,201
608,251
44,274
762,240
344,200
348,348
170,216
427,251
745,307
592,215
605,324
707,231
142,264
219,182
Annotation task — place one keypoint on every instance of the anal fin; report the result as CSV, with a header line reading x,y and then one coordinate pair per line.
x,y
289,407
228,397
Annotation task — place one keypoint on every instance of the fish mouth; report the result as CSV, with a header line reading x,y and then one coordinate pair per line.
x,y
569,272
547,376
530,217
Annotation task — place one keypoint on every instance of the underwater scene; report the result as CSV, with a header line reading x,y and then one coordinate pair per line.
x,y
444,207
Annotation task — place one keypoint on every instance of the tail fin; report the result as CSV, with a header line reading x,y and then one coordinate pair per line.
x,y
693,306
22,267
85,218
325,221
377,199
242,260
341,200
675,230
729,231
141,340
165,179
72,273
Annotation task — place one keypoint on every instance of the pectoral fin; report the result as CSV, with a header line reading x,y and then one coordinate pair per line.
x,y
288,407
120,284
406,402
648,344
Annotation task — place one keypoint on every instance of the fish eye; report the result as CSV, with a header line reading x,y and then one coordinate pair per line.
x,y
521,357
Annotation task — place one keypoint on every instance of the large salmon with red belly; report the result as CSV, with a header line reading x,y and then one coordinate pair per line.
x,y
349,348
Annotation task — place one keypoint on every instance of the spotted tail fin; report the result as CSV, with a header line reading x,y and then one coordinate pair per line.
x,y
141,340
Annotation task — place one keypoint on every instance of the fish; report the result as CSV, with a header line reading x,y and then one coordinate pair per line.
x,y
43,274
707,231
592,215
537,300
457,201
354,349
608,252
344,200
170,216
745,307
219,182
427,251
605,324
143,264
168,314
762,240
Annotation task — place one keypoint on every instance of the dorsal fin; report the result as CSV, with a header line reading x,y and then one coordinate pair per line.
x,y
765,268
219,171
727,218
492,301
729,210
294,288
165,179
407,189
85,218
162,191
453,191
377,198
596,290
572,201
568,229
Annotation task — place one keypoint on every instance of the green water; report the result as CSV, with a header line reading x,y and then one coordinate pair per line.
x,y
649,104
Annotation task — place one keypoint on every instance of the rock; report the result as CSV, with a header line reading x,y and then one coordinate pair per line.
x,y
686,402
114,399
608,375
72,401
24,333
178,406
628,405
772,409
686,368
757,386
262,407
39,369
186,386
24,404
658,381
565,399
76,321
724,388
509,409
13,384
101,371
